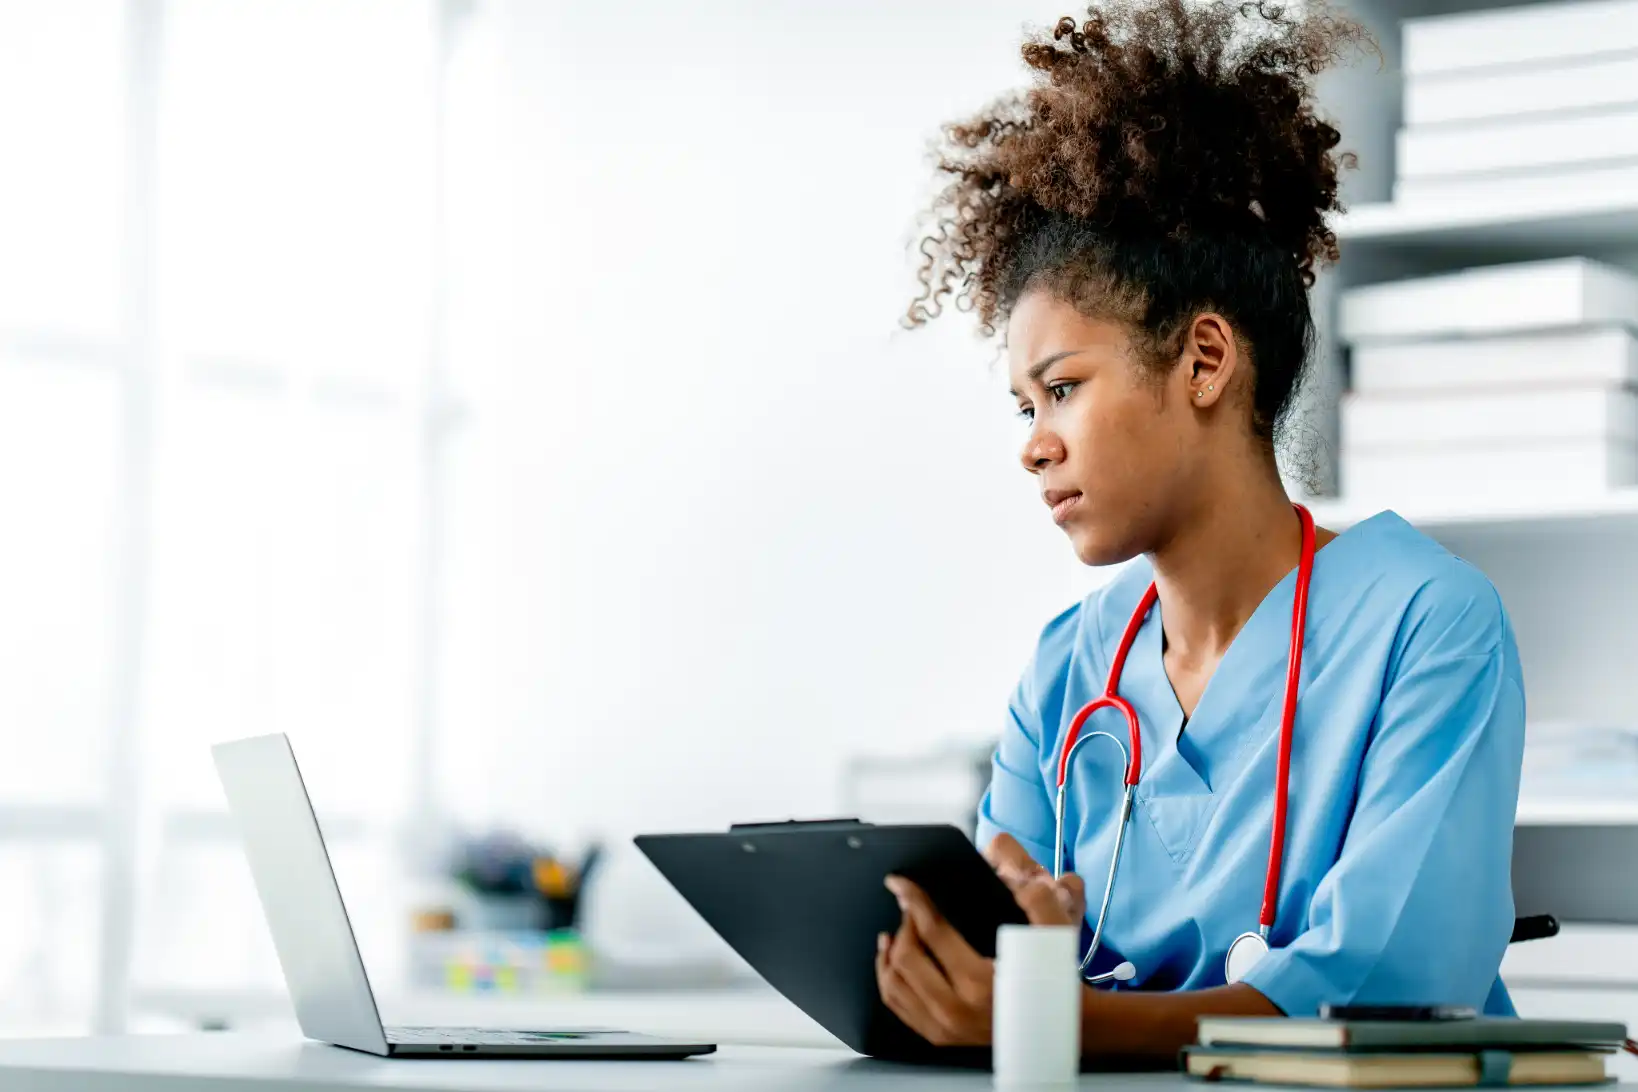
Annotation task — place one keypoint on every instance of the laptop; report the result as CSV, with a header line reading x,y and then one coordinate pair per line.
x,y
314,938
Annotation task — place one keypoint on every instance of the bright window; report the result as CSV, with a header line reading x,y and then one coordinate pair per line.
x,y
227,441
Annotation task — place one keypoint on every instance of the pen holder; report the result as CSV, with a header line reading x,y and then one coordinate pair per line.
x,y
1037,1015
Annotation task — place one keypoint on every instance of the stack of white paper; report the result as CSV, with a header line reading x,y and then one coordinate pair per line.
x,y
1508,102
1492,383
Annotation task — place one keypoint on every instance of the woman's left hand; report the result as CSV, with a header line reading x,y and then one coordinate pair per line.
x,y
930,977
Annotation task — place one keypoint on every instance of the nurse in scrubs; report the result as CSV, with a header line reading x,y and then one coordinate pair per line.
x,y
1140,229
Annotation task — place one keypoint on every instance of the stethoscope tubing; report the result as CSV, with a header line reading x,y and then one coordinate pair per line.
x,y
1132,757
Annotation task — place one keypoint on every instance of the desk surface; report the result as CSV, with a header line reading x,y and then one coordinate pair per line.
x,y
753,1016
228,1062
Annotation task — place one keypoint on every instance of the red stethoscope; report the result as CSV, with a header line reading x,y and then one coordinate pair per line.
x,y
1248,948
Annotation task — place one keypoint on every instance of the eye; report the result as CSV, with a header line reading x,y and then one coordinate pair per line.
x,y
1060,391
1026,414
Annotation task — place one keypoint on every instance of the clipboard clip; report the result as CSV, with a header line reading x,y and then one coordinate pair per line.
x,y
796,824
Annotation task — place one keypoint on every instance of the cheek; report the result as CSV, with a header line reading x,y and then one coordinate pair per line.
x,y
1121,438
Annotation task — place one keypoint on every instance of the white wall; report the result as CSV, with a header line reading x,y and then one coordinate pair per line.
x,y
747,527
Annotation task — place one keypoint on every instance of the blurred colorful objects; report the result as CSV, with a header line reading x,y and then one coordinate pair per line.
x,y
512,926
433,920
516,885
520,962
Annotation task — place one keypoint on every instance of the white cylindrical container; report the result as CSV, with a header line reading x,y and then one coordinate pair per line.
x,y
1037,1028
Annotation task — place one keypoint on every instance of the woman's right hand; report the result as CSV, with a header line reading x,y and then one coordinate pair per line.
x,y
1045,901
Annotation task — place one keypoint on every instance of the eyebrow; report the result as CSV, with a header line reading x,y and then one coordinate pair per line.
x,y
1038,369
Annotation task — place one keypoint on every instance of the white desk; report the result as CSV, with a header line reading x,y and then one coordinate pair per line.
x,y
747,1016
228,1062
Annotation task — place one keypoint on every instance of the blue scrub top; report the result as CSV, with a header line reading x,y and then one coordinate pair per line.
x,y
1409,738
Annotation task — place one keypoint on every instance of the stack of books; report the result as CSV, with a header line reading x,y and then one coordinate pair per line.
x,y
1401,1054
1492,384
1519,101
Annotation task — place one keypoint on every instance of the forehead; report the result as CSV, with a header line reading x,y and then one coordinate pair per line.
x,y
1042,325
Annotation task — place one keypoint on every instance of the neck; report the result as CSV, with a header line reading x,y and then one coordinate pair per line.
x,y
1223,560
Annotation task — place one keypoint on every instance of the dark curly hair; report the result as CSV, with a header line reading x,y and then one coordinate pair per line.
x,y
1167,160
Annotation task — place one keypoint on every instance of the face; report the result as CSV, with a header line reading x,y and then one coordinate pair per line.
x,y
1115,448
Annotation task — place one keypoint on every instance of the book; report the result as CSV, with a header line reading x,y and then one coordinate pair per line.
x,y
1517,144
1520,35
1542,187
1501,474
1426,1070
1490,94
1499,1032
1588,357
1556,293
1485,415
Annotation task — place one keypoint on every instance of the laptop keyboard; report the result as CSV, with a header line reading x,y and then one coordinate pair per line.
x,y
407,1036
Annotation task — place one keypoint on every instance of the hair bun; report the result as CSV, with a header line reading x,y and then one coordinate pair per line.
x,y
1158,119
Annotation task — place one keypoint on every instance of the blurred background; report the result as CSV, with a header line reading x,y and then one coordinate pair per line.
x,y
506,400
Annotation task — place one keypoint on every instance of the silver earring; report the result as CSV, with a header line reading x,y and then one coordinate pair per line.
x,y
1200,394
1211,386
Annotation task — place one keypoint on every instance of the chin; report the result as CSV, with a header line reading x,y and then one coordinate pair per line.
x,y
1100,546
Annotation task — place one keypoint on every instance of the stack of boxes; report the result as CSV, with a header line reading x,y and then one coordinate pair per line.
x,y
1500,384
1514,102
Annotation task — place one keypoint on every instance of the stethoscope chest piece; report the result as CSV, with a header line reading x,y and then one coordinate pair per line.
x,y
1245,953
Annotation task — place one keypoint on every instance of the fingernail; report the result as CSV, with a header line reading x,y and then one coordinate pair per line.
x,y
896,885
881,943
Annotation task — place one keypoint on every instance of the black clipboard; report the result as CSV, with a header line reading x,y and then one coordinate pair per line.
x,y
803,902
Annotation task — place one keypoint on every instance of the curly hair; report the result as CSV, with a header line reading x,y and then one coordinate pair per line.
x,y
1166,160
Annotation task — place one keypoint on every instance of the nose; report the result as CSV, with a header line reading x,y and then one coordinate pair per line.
x,y
1041,449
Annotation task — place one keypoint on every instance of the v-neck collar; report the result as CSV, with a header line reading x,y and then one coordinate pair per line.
x,y
1240,676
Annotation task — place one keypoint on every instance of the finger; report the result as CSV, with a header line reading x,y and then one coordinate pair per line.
x,y
1042,902
941,939
1006,854
900,996
1000,848
909,955
1072,890
937,996
1012,863
1015,877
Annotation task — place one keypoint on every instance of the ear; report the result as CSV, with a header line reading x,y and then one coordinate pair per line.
x,y
1212,356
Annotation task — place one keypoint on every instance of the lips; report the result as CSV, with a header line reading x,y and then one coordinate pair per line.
x,y
1063,502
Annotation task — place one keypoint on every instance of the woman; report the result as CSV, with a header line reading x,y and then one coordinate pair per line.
x,y
1143,226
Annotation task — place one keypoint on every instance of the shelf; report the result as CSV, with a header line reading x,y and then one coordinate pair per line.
x,y
1562,222
1582,956
1578,811
1616,507
1397,10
